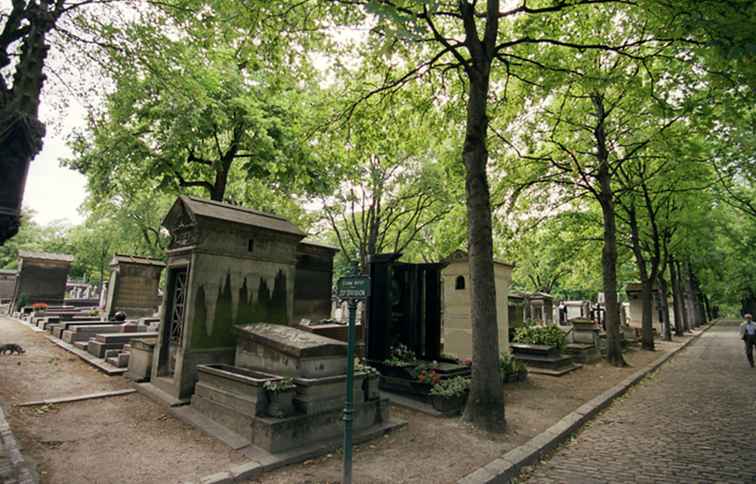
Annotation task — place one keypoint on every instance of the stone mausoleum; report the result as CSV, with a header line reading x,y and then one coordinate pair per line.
x,y
134,286
41,278
456,313
7,284
227,265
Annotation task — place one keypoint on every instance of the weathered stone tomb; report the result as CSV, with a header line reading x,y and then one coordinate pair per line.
x,y
134,285
227,265
41,278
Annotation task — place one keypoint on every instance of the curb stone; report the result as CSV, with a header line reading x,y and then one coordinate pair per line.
x,y
509,465
22,470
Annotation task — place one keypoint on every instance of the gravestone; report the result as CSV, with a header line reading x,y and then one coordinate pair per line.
x,y
227,266
312,284
7,284
41,278
133,287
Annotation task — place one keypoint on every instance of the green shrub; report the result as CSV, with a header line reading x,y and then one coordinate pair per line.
x,y
453,387
541,335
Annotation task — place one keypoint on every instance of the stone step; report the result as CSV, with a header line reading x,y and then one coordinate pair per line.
x,y
122,338
243,404
226,416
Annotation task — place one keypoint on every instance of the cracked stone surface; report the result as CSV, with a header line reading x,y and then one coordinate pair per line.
x,y
692,421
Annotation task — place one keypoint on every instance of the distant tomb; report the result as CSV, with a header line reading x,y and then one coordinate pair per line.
x,y
227,266
134,285
7,284
456,313
41,278
635,317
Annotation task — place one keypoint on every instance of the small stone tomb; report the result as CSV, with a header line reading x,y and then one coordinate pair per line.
x,y
543,359
113,341
585,341
140,359
235,396
84,332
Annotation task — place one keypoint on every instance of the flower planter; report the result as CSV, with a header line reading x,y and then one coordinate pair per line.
x,y
281,404
449,406
520,376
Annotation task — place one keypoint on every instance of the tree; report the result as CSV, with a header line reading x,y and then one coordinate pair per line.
x,y
393,184
194,102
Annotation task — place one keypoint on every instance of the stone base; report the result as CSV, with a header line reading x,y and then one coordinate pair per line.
x,y
140,361
280,435
150,390
584,353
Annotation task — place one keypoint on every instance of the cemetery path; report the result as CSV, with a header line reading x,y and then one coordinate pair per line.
x,y
693,421
124,439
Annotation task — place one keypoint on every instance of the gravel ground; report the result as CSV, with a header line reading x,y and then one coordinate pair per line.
x,y
130,439
125,439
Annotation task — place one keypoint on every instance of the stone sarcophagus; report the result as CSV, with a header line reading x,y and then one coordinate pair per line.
x,y
134,285
238,398
290,351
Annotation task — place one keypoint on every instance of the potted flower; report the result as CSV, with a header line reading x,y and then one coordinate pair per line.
x,y
449,396
280,397
401,361
39,306
372,378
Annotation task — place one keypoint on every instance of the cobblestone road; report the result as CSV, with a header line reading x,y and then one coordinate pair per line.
x,y
694,421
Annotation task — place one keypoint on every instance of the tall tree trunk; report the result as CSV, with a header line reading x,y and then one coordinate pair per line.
x,y
707,308
690,293
219,186
609,252
683,298
485,405
676,298
664,307
647,281
647,324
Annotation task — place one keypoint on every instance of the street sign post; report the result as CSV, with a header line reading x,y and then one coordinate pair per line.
x,y
353,288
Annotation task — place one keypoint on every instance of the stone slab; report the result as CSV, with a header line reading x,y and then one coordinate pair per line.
x,y
289,351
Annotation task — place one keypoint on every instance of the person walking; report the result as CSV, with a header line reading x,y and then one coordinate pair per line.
x,y
748,334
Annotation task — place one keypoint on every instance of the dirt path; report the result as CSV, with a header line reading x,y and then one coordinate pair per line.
x,y
126,439
131,439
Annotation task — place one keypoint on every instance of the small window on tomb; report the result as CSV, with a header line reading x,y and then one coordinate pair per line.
x,y
251,245
460,283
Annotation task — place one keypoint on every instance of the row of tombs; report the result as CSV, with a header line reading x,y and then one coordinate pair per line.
x,y
226,349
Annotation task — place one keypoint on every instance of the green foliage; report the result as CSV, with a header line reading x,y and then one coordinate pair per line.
x,y
533,334
401,355
451,387
279,386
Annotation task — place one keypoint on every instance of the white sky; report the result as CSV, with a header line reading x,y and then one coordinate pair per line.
x,y
54,192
